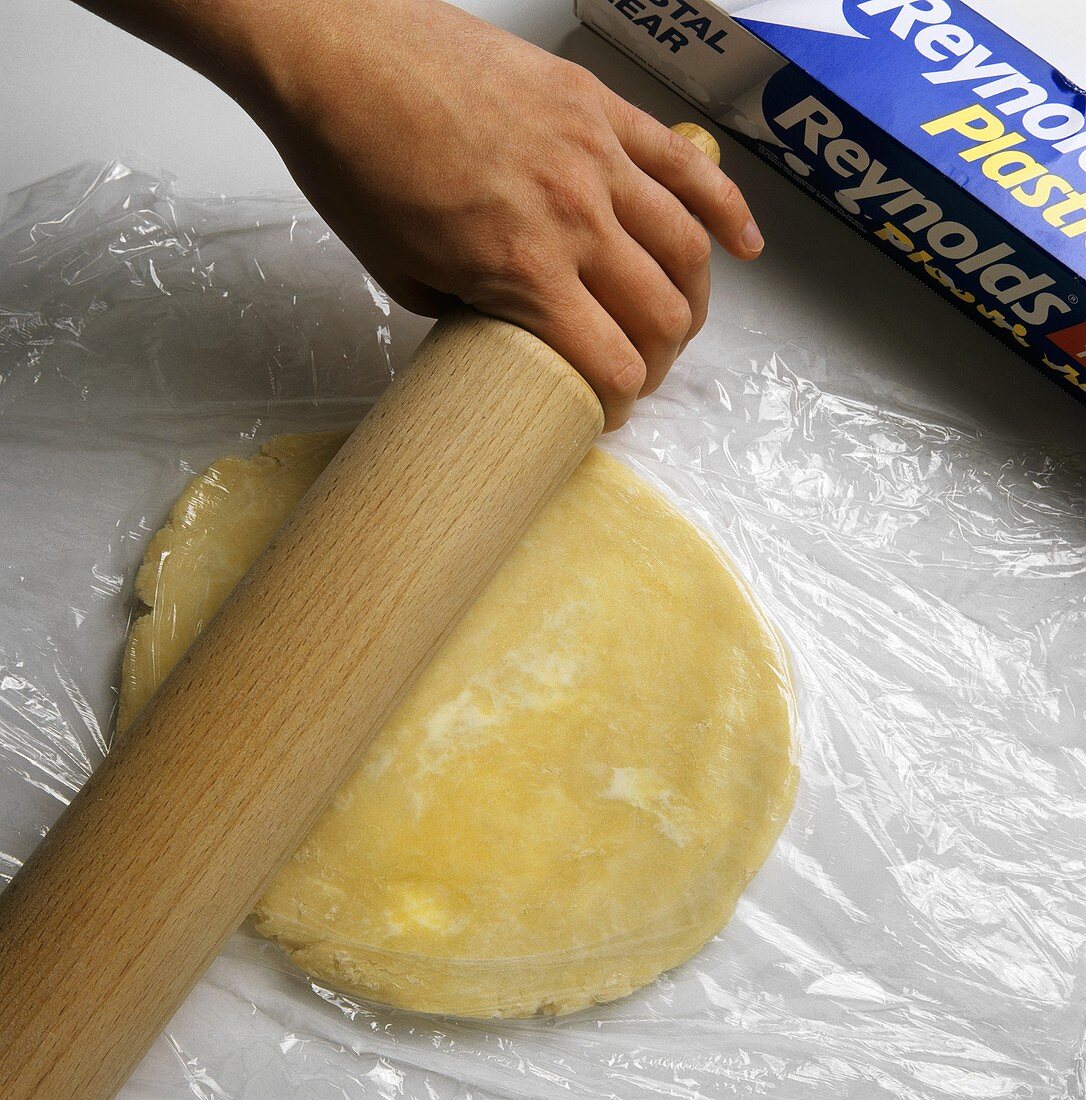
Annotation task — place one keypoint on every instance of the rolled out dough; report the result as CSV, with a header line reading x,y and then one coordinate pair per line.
x,y
575,792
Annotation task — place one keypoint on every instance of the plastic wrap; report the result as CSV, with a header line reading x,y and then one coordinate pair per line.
x,y
919,930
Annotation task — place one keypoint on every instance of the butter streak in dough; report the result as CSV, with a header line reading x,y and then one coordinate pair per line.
x,y
575,792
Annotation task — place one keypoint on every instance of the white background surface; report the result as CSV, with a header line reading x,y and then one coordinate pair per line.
x,y
74,88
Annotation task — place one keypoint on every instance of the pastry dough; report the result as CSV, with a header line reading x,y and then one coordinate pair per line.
x,y
576,790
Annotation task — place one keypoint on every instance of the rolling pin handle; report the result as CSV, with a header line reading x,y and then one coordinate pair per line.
x,y
699,137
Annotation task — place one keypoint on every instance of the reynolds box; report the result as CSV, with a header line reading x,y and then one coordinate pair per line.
x,y
937,135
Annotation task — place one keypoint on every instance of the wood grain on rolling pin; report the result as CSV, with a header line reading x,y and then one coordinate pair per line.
x,y
163,853
165,850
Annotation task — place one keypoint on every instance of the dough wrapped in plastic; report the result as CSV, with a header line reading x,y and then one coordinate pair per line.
x,y
575,792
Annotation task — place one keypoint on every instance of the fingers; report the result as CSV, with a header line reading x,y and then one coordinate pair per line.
x,y
669,233
587,336
574,323
677,164
649,308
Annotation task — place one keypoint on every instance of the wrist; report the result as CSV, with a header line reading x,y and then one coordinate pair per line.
x,y
290,52
237,43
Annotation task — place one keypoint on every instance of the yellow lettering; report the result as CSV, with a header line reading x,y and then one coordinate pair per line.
x,y
1067,370
894,235
1023,169
1043,191
989,147
974,123
1056,213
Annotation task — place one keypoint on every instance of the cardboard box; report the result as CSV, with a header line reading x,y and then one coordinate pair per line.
x,y
946,142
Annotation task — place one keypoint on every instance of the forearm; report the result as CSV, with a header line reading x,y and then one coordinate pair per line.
x,y
459,162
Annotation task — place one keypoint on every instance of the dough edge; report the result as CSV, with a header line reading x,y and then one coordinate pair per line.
x,y
446,986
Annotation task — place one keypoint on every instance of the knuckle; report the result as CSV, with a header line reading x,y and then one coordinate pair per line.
x,y
678,154
518,263
568,195
730,199
510,266
673,318
580,85
595,140
623,380
695,246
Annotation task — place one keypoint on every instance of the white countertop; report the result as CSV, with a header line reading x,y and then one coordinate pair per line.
x,y
77,89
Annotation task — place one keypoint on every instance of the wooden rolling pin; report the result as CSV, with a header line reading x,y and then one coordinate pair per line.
x,y
172,840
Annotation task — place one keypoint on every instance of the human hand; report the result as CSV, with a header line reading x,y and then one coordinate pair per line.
x,y
459,162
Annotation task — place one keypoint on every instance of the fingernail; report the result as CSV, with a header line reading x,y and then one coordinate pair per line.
x,y
752,239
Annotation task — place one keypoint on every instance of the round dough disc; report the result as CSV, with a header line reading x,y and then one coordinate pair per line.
x,y
576,790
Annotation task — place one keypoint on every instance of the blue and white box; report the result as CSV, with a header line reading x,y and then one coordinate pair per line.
x,y
946,142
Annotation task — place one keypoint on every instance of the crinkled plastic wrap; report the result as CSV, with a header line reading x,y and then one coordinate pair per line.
x,y
919,930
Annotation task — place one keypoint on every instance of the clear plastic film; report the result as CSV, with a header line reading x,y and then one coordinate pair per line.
x,y
918,931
